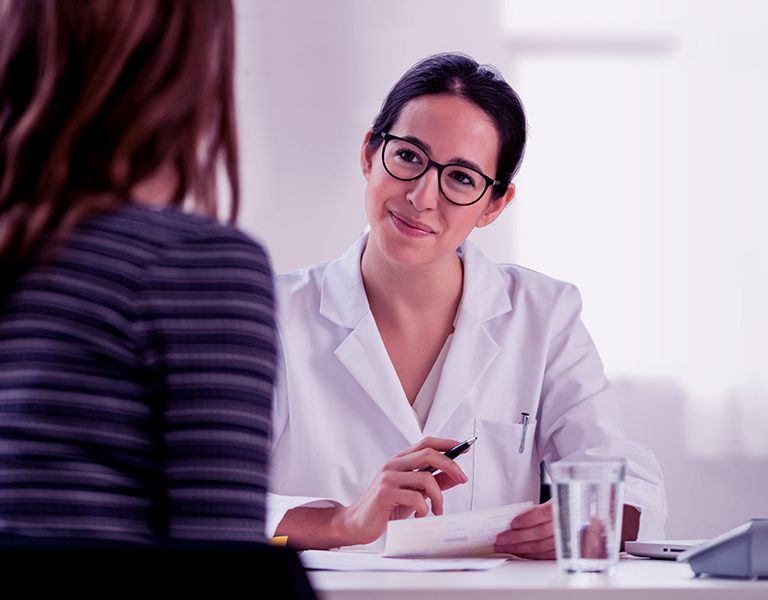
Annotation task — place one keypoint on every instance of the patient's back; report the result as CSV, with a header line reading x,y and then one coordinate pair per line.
x,y
136,373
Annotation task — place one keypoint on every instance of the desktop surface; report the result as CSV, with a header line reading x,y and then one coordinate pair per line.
x,y
635,579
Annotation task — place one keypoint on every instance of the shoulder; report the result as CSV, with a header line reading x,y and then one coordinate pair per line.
x,y
330,293
298,295
172,264
527,282
172,228
517,284
301,282
542,299
338,281
170,239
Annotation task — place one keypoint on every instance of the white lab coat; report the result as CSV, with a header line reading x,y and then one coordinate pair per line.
x,y
519,346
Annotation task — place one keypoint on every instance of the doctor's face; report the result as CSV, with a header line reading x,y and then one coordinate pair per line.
x,y
412,222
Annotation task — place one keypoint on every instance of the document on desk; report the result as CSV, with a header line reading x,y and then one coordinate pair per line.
x,y
324,560
463,534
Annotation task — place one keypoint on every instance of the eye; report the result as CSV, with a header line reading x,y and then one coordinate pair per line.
x,y
462,177
408,156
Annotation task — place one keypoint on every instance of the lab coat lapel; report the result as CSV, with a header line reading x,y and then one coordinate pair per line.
x,y
364,355
473,348
362,352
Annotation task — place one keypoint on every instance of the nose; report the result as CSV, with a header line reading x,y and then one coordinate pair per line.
x,y
425,191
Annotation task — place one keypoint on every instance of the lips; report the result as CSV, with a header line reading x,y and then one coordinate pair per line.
x,y
410,227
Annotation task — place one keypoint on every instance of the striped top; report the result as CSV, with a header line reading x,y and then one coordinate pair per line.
x,y
136,376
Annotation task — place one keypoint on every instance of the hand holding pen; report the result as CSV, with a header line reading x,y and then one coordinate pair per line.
x,y
411,481
454,452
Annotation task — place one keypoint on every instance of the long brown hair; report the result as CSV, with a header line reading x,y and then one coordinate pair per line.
x,y
96,96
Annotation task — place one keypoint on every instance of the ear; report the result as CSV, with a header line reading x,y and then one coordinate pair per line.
x,y
366,155
496,207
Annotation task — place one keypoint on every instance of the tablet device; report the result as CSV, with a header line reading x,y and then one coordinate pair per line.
x,y
664,549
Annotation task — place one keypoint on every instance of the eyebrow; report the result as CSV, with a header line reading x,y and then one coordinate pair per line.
x,y
428,149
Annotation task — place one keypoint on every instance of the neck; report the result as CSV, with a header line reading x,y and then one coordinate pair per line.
x,y
401,293
158,189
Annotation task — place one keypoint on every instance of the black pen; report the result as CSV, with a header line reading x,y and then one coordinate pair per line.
x,y
455,451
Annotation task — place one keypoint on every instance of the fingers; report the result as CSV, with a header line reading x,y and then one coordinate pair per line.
x,y
543,548
419,459
406,470
419,486
440,444
539,514
446,482
412,499
531,534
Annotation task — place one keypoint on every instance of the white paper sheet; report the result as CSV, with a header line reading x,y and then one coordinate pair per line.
x,y
325,560
463,534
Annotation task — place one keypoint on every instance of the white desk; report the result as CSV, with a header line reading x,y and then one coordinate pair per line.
x,y
635,579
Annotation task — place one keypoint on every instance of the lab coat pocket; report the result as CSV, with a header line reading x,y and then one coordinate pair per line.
x,y
504,472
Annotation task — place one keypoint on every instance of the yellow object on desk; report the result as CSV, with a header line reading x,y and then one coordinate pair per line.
x,y
280,540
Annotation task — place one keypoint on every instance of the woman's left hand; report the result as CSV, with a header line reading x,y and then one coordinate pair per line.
x,y
531,535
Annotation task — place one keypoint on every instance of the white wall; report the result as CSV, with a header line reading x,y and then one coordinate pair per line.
x,y
642,184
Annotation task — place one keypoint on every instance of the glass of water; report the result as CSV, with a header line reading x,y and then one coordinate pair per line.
x,y
588,510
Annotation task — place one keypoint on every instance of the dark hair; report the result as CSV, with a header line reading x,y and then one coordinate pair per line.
x,y
96,96
482,85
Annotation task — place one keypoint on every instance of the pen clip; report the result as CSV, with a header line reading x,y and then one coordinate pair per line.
x,y
524,423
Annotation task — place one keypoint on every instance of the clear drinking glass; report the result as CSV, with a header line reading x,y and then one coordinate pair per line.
x,y
588,511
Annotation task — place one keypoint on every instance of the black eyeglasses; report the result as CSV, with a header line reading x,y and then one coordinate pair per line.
x,y
459,184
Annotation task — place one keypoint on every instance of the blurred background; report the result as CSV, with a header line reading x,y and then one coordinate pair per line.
x,y
643,184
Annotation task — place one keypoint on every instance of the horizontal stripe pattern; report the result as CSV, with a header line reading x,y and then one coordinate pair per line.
x,y
136,376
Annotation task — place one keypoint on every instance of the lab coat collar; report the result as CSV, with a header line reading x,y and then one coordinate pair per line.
x,y
485,293
363,353
344,302
343,299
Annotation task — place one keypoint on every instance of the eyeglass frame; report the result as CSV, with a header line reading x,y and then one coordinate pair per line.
x,y
440,168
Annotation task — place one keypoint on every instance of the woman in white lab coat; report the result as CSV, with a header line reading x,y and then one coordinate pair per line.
x,y
413,340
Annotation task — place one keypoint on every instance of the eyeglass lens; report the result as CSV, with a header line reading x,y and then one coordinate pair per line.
x,y
406,161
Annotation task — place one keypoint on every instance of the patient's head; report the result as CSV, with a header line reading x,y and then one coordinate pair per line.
x,y
482,85
97,97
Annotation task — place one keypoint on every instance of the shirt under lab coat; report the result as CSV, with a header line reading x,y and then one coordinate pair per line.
x,y
519,346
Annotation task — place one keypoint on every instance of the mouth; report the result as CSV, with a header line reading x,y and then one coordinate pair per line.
x,y
409,226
